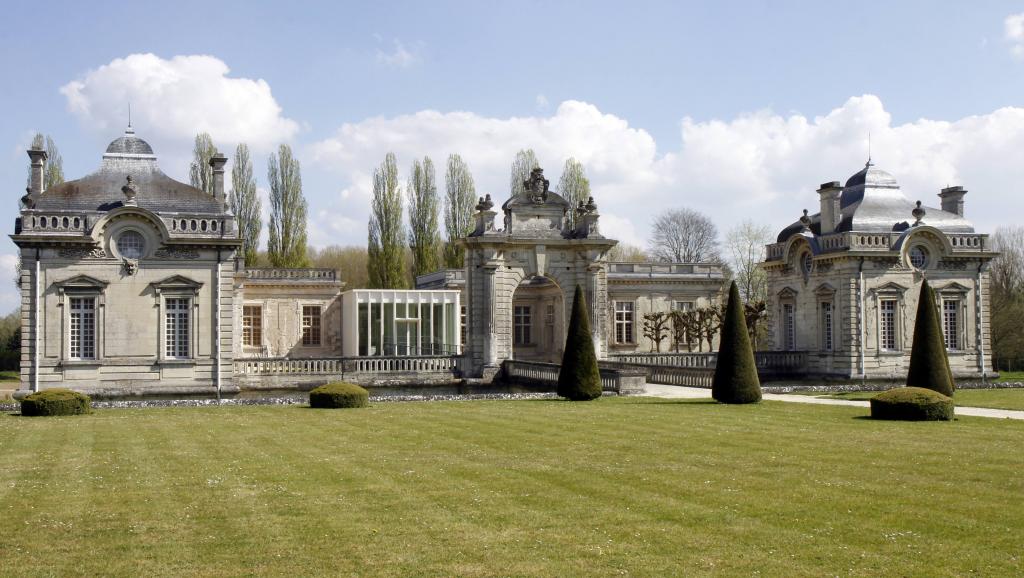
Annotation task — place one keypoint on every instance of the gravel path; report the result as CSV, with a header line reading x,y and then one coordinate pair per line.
x,y
679,392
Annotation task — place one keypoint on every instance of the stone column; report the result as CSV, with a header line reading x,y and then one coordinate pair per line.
x,y
490,337
594,289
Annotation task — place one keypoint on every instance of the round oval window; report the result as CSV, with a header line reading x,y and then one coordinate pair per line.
x,y
918,257
131,245
807,263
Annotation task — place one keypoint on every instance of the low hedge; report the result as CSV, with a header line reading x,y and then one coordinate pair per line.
x,y
339,395
912,404
55,401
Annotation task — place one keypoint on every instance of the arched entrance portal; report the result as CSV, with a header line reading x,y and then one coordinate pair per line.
x,y
538,320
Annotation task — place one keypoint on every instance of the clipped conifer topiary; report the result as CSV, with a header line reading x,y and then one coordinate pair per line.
x,y
56,401
929,365
912,404
579,379
339,395
736,378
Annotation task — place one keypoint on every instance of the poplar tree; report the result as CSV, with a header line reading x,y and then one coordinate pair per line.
x,y
386,244
524,162
286,245
574,186
245,204
200,173
460,199
424,237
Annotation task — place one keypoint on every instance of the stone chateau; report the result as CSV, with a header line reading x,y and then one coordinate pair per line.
x,y
132,283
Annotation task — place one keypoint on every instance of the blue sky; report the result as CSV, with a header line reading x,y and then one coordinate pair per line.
x,y
736,109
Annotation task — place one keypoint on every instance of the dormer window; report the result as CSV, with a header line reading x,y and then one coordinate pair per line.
x,y
131,245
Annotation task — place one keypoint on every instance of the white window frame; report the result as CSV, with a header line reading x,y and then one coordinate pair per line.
x,y
891,317
789,326
178,287
176,340
827,322
627,322
81,287
90,327
952,305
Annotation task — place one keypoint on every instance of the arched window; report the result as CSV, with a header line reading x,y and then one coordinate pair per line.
x,y
918,257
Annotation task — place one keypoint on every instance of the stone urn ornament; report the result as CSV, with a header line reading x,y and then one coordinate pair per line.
x,y
131,191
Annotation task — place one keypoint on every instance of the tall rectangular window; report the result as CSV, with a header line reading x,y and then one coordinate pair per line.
x,y
252,325
521,324
789,326
887,324
311,325
951,323
462,324
624,322
176,327
83,328
826,326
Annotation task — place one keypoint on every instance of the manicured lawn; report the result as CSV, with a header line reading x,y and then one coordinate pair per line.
x,y
1010,398
530,488
1011,376
10,375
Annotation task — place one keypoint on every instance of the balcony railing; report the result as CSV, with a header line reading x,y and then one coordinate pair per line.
x,y
274,274
342,366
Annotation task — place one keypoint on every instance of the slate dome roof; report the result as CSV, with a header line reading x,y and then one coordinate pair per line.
x,y
872,176
129,144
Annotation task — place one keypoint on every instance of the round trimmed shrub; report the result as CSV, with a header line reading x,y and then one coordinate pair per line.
x,y
339,395
912,404
56,401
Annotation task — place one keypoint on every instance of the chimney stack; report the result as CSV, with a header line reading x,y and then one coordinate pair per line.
x,y
217,161
828,194
953,200
38,157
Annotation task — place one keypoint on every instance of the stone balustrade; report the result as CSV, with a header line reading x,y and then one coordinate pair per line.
x,y
680,359
48,223
271,274
342,366
622,380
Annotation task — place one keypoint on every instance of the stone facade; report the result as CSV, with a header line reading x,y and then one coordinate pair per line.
x,y
843,284
126,278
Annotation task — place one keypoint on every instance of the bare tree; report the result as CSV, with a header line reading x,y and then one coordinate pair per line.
x,y
524,162
626,253
656,328
245,204
424,238
574,186
685,236
348,261
460,198
200,173
746,246
1007,297
386,245
286,245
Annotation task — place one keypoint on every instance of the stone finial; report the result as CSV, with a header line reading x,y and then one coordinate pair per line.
x,y
591,206
27,201
805,221
131,191
485,203
918,213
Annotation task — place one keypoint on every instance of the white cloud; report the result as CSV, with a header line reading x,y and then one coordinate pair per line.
x,y
398,57
542,103
174,99
759,165
1013,28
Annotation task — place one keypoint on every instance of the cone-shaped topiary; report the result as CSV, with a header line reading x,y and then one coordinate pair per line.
x,y
929,365
736,378
579,379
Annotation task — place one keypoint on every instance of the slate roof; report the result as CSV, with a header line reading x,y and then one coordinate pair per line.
x,y
101,190
872,202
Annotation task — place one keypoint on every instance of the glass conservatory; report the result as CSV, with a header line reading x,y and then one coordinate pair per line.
x,y
391,322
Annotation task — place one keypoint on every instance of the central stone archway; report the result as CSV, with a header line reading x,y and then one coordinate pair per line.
x,y
538,320
536,242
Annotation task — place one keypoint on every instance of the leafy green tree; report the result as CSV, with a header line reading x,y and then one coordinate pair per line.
x,y
524,162
424,237
929,364
735,378
579,378
200,173
574,186
245,204
460,199
386,244
349,262
286,245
